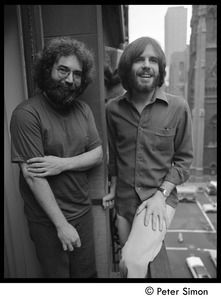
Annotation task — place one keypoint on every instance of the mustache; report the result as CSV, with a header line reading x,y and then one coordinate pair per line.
x,y
65,86
146,72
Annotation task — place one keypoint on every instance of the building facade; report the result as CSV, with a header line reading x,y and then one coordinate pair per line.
x,y
175,31
202,89
178,77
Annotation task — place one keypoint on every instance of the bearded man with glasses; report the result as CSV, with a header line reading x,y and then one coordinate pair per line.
x,y
55,141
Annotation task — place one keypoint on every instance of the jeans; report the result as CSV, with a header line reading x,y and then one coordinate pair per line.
x,y
142,246
57,263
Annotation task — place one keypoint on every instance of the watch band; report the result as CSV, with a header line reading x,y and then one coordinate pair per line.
x,y
165,192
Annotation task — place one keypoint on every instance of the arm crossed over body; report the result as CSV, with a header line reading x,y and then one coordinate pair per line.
x,y
53,165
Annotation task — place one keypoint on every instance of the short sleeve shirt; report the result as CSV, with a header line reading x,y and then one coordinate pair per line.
x,y
37,129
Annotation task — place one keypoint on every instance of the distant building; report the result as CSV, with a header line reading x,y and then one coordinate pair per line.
x,y
178,73
175,32
202,88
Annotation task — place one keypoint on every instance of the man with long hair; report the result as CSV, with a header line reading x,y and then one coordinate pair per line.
x,y
55,141
150,152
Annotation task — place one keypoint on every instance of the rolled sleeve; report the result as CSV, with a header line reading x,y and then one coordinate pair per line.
x,y
183,156
112,166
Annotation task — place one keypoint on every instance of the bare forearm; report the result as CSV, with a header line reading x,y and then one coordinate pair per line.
x,y
53,165
83,161
44,195
113,183
40,187
46,199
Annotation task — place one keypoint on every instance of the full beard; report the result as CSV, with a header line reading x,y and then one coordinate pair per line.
x,y
61,95
141,87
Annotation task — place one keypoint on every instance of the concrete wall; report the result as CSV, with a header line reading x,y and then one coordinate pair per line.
x,y
20,260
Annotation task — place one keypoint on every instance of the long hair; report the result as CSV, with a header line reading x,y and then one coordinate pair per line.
x,y
63,46
134,50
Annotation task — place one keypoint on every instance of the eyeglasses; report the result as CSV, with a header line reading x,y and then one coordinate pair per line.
x,y
64,72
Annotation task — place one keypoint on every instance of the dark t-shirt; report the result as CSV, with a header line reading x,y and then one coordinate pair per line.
x,y
37,129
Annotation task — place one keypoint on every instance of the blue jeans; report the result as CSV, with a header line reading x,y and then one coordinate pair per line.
x,y
58,263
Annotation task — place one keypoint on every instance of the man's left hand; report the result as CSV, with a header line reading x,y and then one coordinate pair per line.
x,y
155,206
45,166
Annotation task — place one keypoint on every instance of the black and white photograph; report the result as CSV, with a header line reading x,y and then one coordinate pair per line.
x,y
110,147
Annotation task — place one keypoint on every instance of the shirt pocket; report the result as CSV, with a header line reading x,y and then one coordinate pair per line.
x,y
164,139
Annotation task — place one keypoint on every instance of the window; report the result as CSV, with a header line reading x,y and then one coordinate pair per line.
x,y
213,127
211,27
181,72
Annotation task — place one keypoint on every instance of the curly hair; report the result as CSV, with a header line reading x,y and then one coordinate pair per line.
x,y
63,46
134,50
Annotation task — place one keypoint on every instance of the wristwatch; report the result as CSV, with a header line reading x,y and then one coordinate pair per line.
x,y
166,193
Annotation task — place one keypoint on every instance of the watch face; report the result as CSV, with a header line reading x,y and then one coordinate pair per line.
x,y
166,193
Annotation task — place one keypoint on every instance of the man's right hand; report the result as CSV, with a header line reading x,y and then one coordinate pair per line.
x,y
108,201
69,237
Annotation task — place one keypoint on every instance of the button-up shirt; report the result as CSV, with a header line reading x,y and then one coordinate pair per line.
x,y
148,148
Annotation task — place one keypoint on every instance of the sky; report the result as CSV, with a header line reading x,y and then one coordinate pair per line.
x,y
148,20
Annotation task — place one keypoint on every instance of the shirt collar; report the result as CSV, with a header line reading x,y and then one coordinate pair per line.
x,y
159,94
